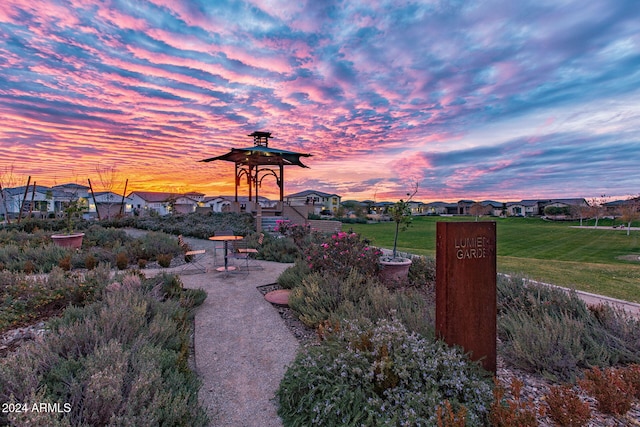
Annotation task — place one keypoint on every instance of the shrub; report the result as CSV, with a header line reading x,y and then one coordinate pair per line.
x,y
29,267
121,361
164,260
341,253
631,374
142,263
565,408
90,262
552,332
65,263
293,276
513,411
380,375
122,261
446,417
278,250
613,393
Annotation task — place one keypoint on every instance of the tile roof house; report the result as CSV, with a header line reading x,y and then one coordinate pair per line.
x,y
318,199
161,203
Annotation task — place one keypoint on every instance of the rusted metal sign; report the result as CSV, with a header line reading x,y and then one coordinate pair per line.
x,y
466,288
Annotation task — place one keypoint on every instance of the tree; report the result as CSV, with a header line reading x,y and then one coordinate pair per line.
x,y
108,177
629,211
597,210
477,209
400,213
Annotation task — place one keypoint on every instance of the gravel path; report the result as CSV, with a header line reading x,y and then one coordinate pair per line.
x,y
242,347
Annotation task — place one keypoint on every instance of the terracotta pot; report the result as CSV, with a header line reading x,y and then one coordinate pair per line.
x,y
395,270
68,240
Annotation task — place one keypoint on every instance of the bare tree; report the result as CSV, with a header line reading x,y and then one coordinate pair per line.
x,y
477,209
8,179
596,209
629,211
109,178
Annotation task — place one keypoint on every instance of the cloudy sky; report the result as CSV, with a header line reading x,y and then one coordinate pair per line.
x,y
492,99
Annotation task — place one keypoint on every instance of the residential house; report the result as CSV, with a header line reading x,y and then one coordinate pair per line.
x,y
464,207
161,203
318,199
523,208
493,208
224,203
441,208
572,206
108,204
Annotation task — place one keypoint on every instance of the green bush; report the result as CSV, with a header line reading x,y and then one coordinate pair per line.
x,y
552,332
293,276
24,299
279,250
380,375
321,297
120,361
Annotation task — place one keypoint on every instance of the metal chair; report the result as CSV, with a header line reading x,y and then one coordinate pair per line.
x,y
193,258
239,253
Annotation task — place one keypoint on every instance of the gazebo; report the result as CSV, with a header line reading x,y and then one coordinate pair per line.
x,y
259,161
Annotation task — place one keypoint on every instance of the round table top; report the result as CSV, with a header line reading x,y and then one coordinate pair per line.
x,y
222,238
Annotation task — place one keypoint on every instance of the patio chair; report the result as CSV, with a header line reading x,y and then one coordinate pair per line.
x,y
251,252
240,254
193,258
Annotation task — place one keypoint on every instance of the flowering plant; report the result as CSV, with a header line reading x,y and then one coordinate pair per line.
x,y
342,252
298,233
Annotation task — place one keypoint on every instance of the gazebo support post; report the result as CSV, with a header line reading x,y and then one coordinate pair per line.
x,y
281,183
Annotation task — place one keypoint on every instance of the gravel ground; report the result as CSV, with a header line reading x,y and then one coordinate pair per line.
x,y
242,347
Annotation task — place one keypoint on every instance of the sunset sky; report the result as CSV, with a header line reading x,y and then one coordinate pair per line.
x,y
494,99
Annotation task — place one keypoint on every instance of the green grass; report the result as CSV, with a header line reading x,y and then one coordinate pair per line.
x,y
588,259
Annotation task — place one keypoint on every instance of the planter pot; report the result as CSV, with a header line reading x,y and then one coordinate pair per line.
x,y
393,271
68,240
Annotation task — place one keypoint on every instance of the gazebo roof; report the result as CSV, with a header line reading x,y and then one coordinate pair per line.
x,y
261,155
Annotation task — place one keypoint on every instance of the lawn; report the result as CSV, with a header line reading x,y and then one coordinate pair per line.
x,y
588,259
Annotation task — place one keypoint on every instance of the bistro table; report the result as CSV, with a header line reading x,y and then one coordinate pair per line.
x,y
226,240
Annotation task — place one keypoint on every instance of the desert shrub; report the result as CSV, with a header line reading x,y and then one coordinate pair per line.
x,y
278,250
26,298
105,237
90,262
117,361
293,276
378,375
513,410
543,344
65,263
631,374
622,326
197,225
608,386
422,271
142,263
29,267
447,417
566,408
122,260
320,295
552,332
164,260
